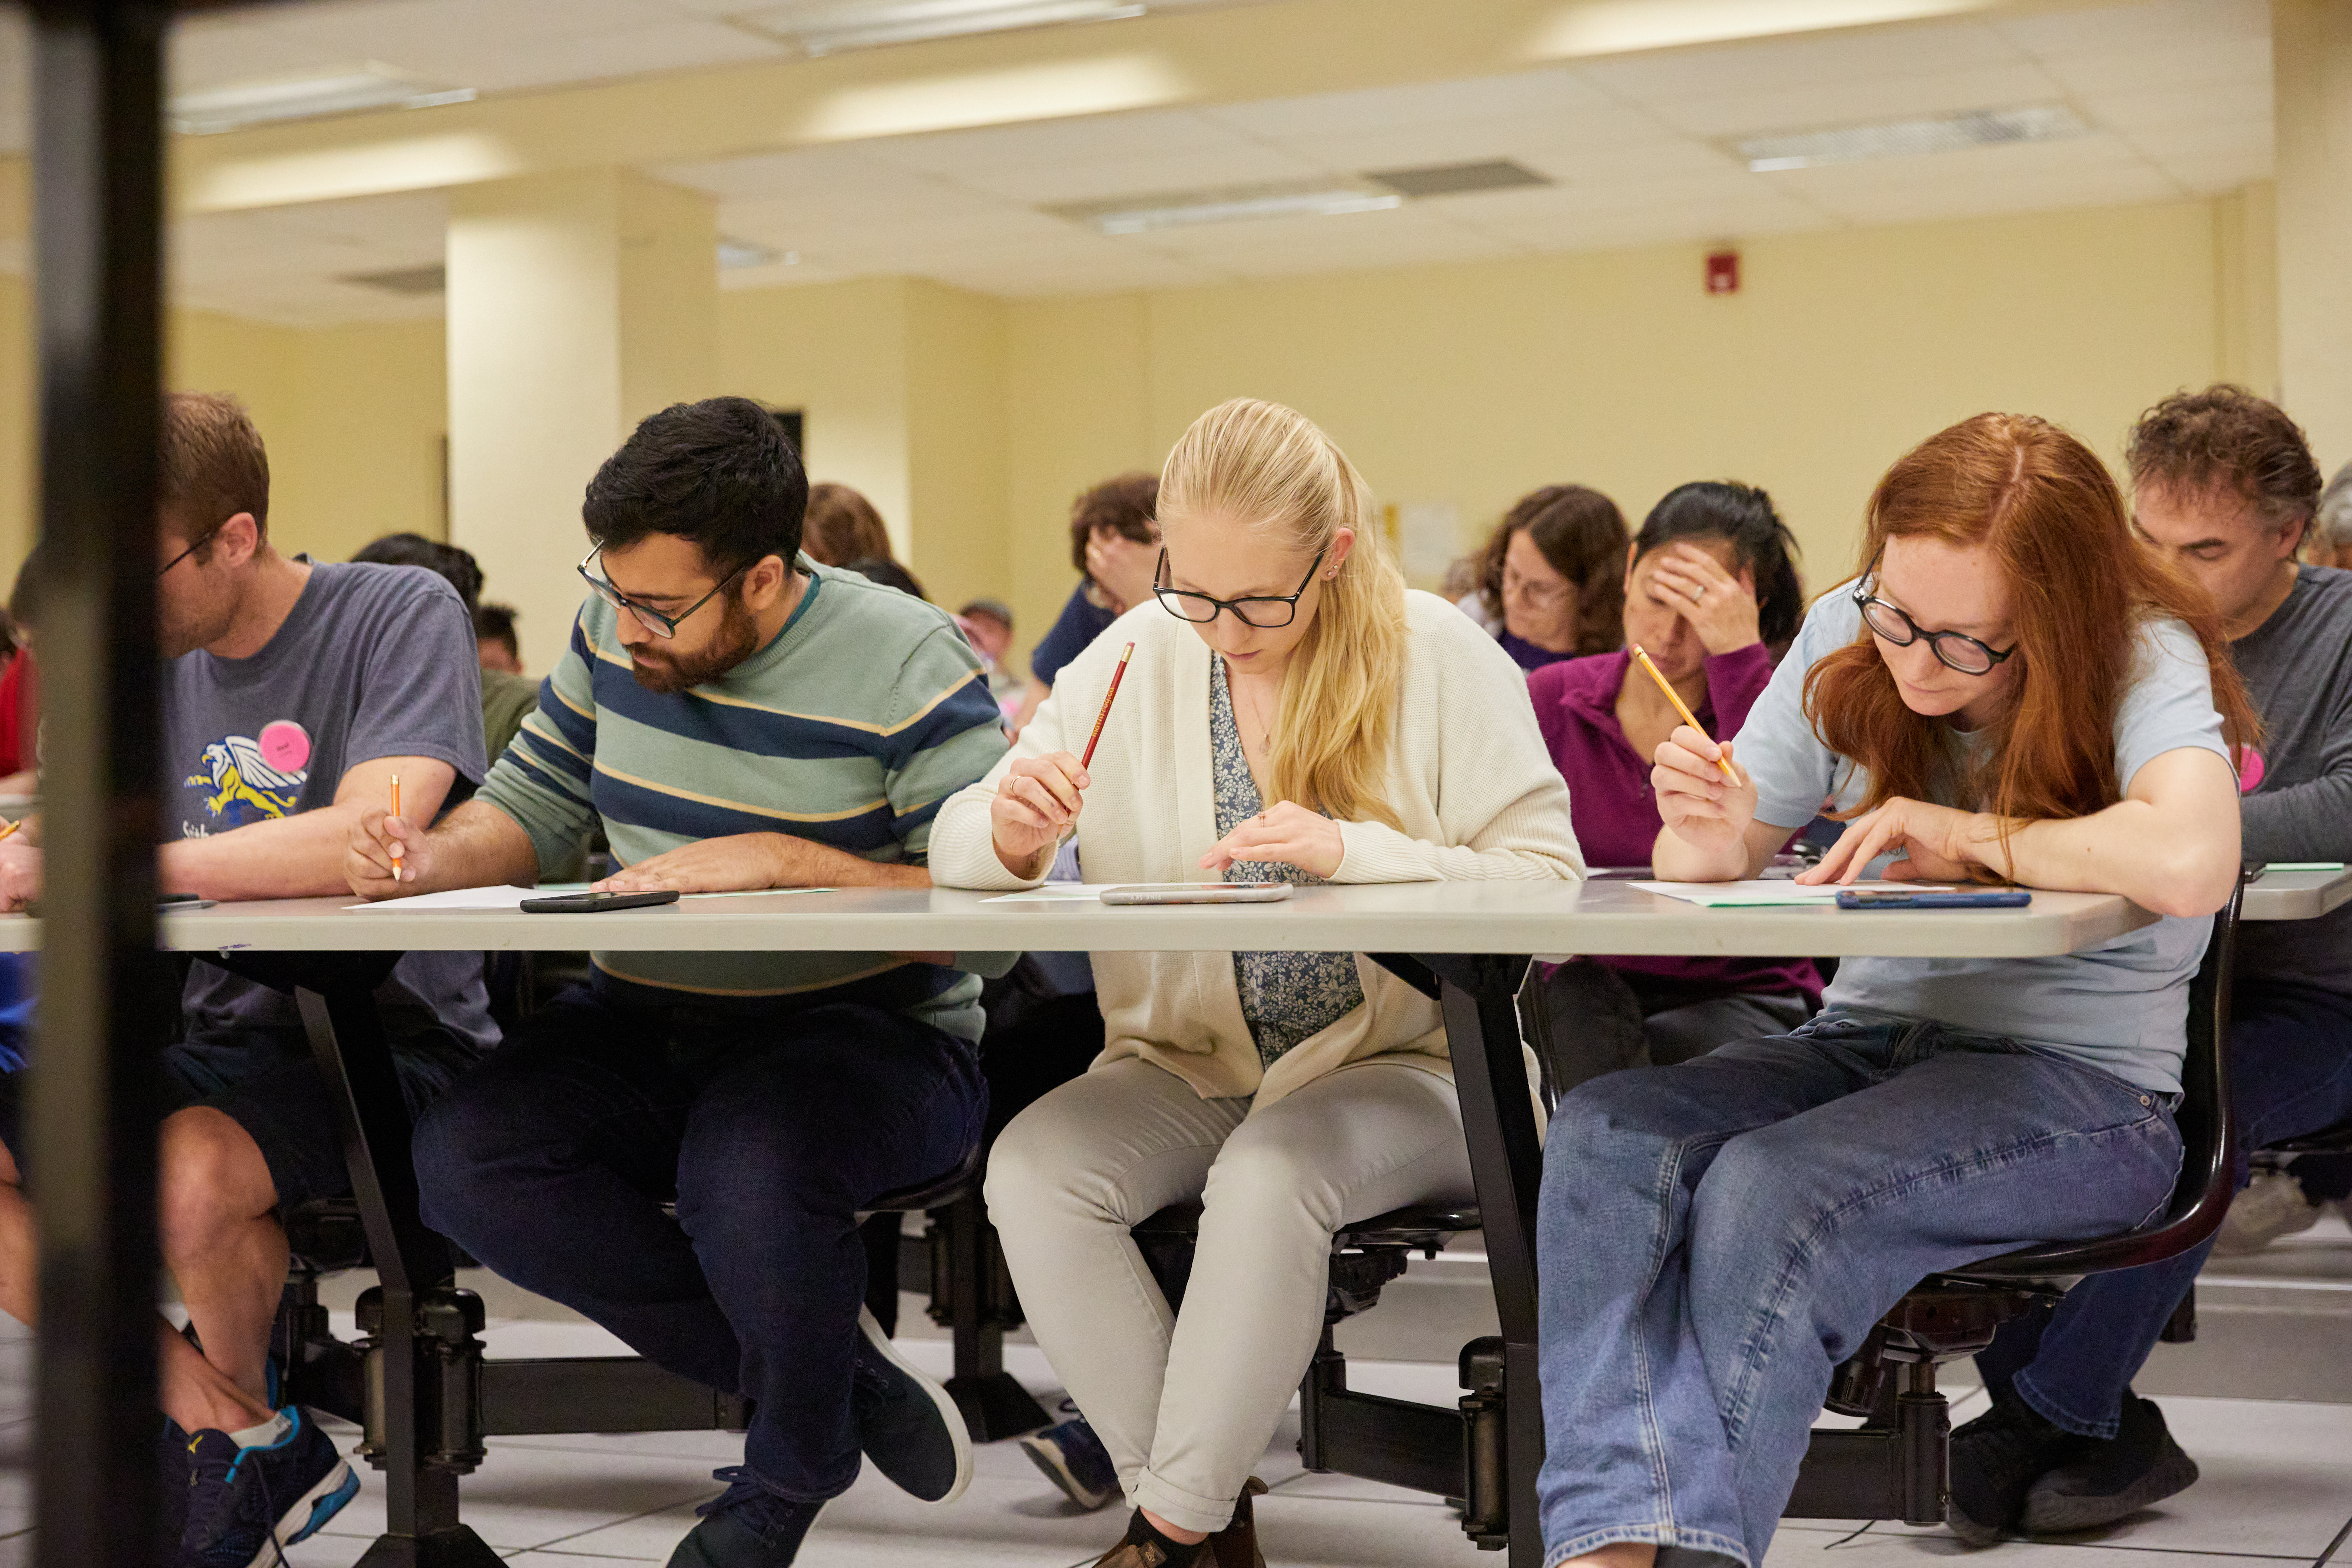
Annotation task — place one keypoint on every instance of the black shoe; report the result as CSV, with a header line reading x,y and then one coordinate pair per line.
x,y
746,1526
907,1424
1995,1459
246,1506
172,1463
2115,1478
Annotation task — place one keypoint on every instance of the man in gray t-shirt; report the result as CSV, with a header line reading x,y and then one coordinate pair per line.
x,y
2224,487
292,694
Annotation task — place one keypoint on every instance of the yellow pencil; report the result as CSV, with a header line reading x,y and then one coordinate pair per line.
x,y
1688,717
395,812
8,827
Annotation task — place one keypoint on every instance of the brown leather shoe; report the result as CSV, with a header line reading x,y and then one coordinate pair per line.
x,y
1235,1546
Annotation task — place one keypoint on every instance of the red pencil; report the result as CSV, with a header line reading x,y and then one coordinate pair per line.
x,y
1116,676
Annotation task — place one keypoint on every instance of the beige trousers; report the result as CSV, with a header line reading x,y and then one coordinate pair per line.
x,y
1186,1404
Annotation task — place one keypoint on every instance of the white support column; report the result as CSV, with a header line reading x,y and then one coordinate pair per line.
x,y
2311,53
578,303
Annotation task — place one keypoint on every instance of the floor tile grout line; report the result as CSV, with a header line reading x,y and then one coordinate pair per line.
x,y
624,1519
2321,1560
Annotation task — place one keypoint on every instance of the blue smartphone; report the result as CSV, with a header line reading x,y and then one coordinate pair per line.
x,y
1988,899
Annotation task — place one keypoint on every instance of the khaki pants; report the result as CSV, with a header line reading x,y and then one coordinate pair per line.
x,y
1186,1405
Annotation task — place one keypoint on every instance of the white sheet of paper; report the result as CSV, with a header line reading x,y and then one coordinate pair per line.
x,y
1761,893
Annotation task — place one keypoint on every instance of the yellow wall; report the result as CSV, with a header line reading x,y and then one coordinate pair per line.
x,y
902,385
972,422
1467,385
352,417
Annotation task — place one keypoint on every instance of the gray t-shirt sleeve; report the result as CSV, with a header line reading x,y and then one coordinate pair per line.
x,y
421,691
2169,703
1794,773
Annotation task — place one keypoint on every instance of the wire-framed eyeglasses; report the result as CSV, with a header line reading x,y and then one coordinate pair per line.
x,y
1954,650
1267,612
653,620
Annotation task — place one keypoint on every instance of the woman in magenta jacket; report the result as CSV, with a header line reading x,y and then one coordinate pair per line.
x,y
1711,596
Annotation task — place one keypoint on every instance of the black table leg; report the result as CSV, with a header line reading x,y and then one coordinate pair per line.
x,y
1479,997
412,1265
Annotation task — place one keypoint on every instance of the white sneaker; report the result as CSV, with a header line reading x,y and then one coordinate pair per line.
x,y
2272,1205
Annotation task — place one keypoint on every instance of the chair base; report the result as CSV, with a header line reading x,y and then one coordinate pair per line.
x,y
995,1406
457,1547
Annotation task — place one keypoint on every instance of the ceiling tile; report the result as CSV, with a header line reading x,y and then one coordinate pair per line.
x,y
1140,176
1525,138
2189,64
1796,106
1824,60
1430,103
1147,133
2181,106
2104,29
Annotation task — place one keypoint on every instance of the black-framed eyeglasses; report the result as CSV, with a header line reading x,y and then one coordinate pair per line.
x,y
1267,612
653,620
1954,650
182,555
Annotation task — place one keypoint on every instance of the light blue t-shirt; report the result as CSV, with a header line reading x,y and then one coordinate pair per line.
x,y
2122,1007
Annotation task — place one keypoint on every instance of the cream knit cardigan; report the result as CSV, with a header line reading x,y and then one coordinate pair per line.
x,y
1469,776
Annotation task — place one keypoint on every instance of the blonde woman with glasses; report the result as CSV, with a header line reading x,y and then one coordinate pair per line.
x,y
1291,713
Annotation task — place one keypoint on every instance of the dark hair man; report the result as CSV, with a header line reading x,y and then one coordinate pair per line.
x,y
292,693
2223,485
494,632
741,718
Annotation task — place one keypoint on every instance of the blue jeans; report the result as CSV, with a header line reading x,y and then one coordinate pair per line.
x,y
2290,1074
551,1161
1714,1236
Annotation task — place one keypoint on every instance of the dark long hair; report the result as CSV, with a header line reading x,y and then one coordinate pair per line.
x,y
1582,536
2082,590
1761,543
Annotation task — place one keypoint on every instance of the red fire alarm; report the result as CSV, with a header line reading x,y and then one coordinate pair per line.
x,y
1723,272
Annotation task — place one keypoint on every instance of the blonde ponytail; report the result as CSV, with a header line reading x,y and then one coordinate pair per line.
x,y
1272,470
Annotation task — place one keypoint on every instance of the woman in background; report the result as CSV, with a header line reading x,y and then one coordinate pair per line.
x,y
842,526
1711,588
1553,578
1115,544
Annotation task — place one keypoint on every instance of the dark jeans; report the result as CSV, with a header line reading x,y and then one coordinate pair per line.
x,y
2290,1073
551,1163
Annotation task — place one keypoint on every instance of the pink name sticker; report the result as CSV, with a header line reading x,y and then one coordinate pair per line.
x,y
2250,770
285,745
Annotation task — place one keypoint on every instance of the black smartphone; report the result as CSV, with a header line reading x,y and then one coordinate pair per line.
x,y
596,903
166,903
1988,899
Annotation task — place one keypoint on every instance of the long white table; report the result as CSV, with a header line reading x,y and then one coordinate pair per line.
x,y
1549,917
2297,895
1469,942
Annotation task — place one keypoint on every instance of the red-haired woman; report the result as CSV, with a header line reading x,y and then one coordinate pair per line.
x,y
2012,688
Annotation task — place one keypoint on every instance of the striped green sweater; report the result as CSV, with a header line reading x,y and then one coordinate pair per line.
x,y
867,712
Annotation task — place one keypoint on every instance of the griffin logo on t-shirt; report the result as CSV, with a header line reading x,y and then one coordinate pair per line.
x,y
247,779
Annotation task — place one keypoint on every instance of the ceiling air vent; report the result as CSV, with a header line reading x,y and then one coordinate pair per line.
x,y
1457,179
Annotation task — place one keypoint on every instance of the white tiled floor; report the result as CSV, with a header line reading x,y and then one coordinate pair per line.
x,y
2277,1487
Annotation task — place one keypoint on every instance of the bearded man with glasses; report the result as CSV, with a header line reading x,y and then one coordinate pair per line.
x,y
739,718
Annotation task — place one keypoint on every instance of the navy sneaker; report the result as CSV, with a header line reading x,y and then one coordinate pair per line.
x,y
907,1424
746,1526
246,1505
1073,1459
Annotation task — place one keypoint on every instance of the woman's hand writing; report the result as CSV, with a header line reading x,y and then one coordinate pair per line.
x,y
1036,802
1286,834
1696,802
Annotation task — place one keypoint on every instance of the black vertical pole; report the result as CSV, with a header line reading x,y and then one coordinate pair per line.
x,y
97,213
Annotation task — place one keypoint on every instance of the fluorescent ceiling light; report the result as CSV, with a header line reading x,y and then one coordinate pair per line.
x,y
341,91
1909,138
736,253
829,26
1232,203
